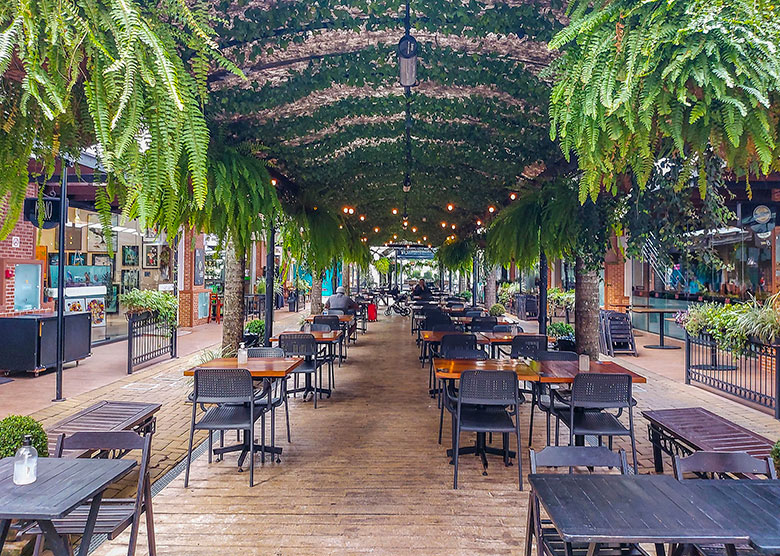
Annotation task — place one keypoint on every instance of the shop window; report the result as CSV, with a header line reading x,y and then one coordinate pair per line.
x,y
203,305
27,287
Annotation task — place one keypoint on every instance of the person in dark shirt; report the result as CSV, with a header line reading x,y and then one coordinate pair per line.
x,y
340,300
421,289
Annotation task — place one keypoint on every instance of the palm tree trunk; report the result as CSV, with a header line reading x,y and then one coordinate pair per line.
x,y
586,309
490,287
316,293
233,324
346,279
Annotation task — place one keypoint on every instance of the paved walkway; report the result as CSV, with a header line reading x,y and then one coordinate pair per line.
x,y
364,472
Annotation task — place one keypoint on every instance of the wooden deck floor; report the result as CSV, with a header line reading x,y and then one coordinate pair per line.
x,y
364,473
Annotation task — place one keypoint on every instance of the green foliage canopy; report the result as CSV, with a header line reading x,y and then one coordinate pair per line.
x,y
639,81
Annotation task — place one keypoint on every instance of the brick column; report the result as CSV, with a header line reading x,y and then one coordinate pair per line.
x,y
188,295
614,274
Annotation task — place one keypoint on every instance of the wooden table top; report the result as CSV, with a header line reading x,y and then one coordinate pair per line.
x,y
259,367
550,372
320,336
62,484
634,509
651,310
342,318
468,320
504,337
435,337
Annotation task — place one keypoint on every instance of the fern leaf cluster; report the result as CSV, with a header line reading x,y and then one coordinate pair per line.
x,y
640,81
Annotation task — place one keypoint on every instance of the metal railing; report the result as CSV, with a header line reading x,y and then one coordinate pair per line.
x,y
148,337
254,306
753,376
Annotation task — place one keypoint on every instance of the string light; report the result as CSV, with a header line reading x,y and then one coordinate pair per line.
x,y
406,223
376,230
341,227
362,217
513,195
414,230
395,236
346,210
351,211
273,182
425,238
479,222
443,224
453,226
491,209
394,211
450,206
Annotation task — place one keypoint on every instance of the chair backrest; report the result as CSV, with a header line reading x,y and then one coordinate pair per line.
x,y
457,341
333,312
319,327
298,344
718,463
330,320
455,305
444,327
483,324
505,328
430,322
601,391
115,441
216,386
488,388
528,345
578,456
557,356
265,352
473,313
467,353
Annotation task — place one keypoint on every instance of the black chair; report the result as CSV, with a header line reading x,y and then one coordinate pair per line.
x,y
507,328
591,395
469,354
543,395
295,344
455,341
473,313
115,514
528,345
483,324
455,305
276,395
732,465
325,354
549,542
318,327
448,327
723,464
232,394
333,312
483,399
335,324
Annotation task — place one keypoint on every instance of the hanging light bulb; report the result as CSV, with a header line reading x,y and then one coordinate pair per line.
x,y
425,238
443,224
394,211
513,195
346,210
450,206
395,236
406,223
491,209
453,226
362,217
351,210
341,226
376,230
479,222
414,230
273,182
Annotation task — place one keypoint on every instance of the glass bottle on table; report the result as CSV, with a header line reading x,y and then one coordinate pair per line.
x,y
26,463
243,354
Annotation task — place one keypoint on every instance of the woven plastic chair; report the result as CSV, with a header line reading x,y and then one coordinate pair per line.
x,y
277,393
483,324
232,394
301,344
483,397
528,345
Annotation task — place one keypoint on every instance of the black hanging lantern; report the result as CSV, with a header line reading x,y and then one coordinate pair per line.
x,y
407,60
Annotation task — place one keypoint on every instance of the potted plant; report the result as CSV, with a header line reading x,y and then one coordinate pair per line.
x,y
13,430
775,453
254,332
497,310
162,304
564,335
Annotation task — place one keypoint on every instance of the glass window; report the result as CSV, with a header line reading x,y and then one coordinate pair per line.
x,y
27,287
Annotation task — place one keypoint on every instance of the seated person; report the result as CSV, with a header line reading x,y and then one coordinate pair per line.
x,y
340,300
421,289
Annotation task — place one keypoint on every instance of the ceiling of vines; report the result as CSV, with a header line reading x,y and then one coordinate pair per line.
x,y
323,104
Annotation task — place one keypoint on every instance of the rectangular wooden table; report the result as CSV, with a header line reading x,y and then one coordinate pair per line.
x,y
685,430
265,367
654,509
63,484
549,372
496,339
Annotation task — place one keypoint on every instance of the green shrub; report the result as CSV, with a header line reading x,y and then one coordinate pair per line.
x,y
256,326
163,304
465,294
557,297
12,431
775,453
497,310
725,323
560,330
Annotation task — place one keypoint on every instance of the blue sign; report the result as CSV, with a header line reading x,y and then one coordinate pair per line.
x,y
416,254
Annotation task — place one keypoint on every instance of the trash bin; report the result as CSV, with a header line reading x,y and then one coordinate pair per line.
x,y
292,303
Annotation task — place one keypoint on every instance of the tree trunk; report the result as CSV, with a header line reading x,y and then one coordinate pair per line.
x,y
460,281
586,309
316,294
490,287
233,323
346,279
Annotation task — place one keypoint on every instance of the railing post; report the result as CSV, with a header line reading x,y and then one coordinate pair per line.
x,y
174,341
130,344
776,347
687,359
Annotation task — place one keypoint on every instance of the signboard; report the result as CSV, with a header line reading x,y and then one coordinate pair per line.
x,y
51,212
759,217
415,254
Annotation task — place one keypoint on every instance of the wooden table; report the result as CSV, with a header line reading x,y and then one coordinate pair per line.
x,y
661,333
63,484
496,339
654,509
429,338
690,429
106,416
548,372
258,367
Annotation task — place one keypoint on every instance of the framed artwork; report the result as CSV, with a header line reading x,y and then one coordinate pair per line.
x,y
102,260
198,277
74,305
77,259
97,308
150,236
112,299
151,257
130,280
73,238
129,255
96,241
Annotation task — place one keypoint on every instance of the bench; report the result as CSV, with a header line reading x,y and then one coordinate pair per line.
x,y
107,416
691,429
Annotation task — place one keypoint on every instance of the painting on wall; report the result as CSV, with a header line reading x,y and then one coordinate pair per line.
x,y
77,259
151,257
130,280
97,308
198,277
165,263
112,299
96,240
72,238
129,255
82,275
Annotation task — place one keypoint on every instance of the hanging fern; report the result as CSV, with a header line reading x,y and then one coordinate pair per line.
x,y
639,81
126,75
457,255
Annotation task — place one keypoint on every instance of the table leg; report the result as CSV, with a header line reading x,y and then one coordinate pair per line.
x,y
5,524
660,549
89,528
655,440
593,548
57,543
661,335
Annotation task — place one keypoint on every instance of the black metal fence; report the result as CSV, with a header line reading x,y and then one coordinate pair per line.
x,y
254,306
148,337
753,375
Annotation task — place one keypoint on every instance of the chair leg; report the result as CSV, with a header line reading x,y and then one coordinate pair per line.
x,y
519,457
150,520
530,530
211,447
38,545
548,429
441,420
533,406
287,415
273,434
315,388
455,446
251,433
189,449
262,437
221,444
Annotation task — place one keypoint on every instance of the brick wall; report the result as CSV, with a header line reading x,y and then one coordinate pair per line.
x,y
24,236
188,295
